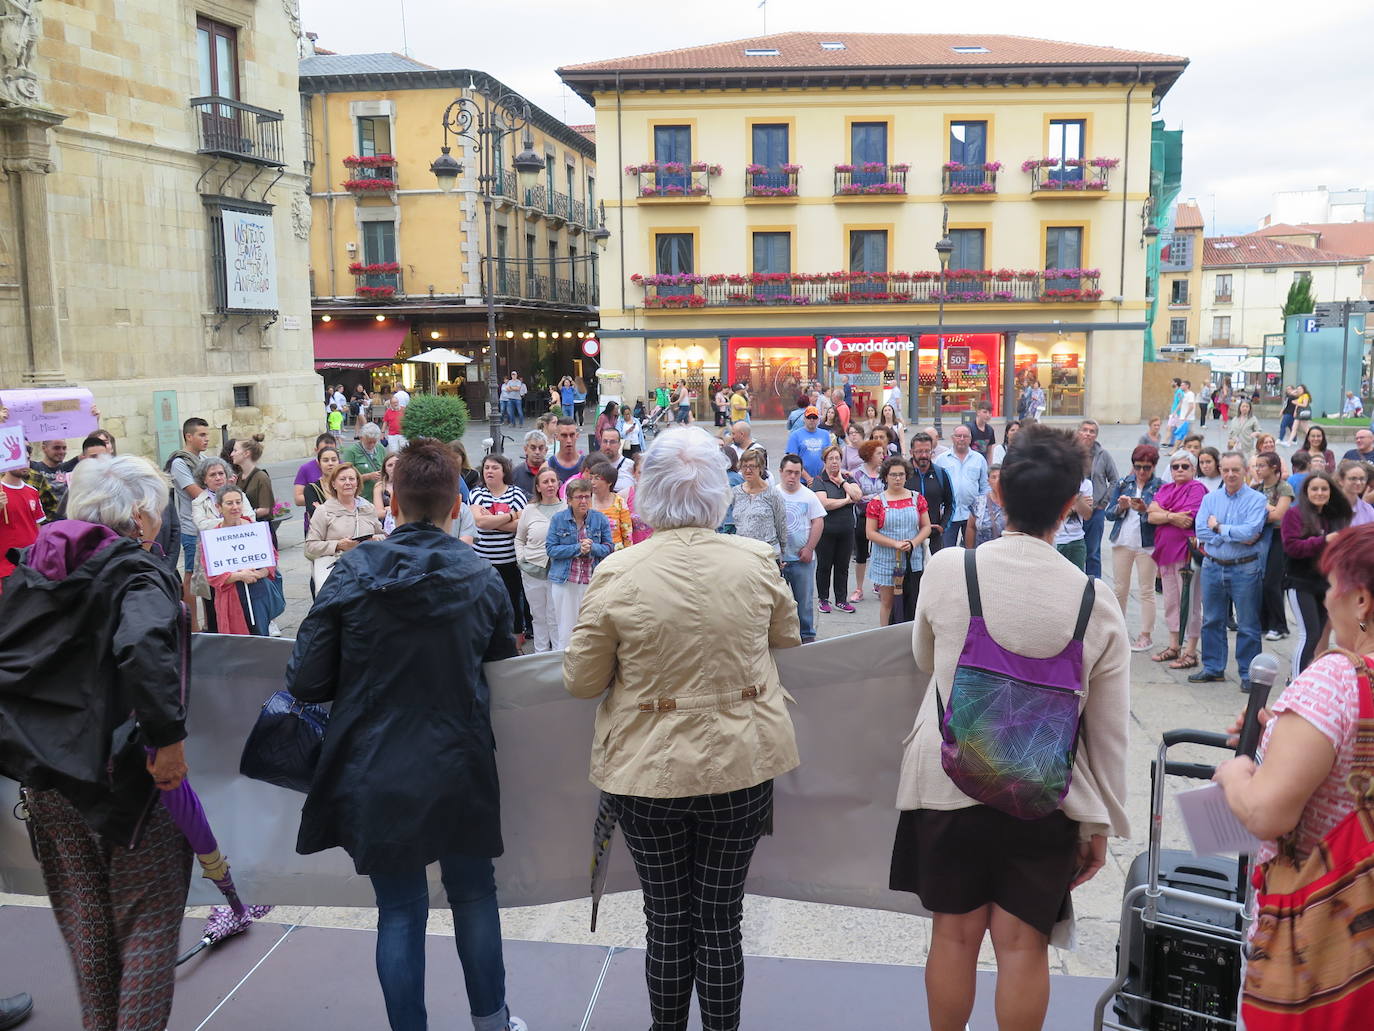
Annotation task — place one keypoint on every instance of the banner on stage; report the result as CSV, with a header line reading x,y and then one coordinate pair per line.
x,y
229,549
14,453
56,414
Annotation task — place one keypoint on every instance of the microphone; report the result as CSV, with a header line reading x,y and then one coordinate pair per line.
x,y
1264,670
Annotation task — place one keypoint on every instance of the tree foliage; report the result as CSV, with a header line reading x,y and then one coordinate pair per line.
x,y
430,415
1301,300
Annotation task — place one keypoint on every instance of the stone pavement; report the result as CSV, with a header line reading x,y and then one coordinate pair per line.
x,y
1162,699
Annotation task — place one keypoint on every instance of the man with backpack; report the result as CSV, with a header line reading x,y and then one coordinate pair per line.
x,y
181,467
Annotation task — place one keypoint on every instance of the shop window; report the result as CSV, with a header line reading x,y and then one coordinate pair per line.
x,y
1063,250
967,254
673,256
868,143
770,149
1057,363
1066,144
673,143
968,146
374,137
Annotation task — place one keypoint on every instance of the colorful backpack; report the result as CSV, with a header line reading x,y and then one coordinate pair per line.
x,y
1010,733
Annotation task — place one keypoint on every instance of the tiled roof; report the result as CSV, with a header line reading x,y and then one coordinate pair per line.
x,y
1232,251
359,64
1188,216
588,131
877,50
1346,237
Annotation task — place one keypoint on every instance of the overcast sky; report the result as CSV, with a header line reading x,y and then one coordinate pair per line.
x,y
1276,97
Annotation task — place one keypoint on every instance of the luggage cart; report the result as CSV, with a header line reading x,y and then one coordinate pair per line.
x,y
1183,924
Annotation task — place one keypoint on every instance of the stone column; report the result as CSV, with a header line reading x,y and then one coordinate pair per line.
x,y
25,156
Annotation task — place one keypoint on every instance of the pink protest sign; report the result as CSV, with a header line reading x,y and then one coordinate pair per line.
x,y
12,451
57,414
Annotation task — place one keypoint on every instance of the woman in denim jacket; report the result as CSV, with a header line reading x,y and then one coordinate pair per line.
x,y
579,538
1133,538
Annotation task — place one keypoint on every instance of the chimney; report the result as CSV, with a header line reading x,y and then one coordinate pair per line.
x,y
310,38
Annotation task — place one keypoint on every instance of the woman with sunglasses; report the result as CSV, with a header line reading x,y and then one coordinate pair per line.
x,y
1171,513
1133,539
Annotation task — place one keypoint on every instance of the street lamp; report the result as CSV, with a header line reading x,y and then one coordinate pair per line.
x,y
943,249
486,125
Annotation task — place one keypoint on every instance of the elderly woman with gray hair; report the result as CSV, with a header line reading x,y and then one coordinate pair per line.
x,y
92,719
686,752
212,474
367,455
1171,513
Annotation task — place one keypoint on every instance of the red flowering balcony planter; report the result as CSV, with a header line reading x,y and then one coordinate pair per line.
x,y
375,293
1071,177
958,179
870,179
370,187
673,180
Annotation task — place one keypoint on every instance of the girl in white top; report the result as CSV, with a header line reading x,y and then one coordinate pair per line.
x,y
631,433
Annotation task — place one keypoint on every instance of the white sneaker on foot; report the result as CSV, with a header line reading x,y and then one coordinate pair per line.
x,y
514,1023
273,630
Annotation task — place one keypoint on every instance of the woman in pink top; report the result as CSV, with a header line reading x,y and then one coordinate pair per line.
x,y
1171,513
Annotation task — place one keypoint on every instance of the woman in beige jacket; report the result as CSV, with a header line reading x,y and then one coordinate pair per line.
x,y
975,867
693,723
340,523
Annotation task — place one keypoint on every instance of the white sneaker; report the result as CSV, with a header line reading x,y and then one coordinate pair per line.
x,y
273,630
514,1023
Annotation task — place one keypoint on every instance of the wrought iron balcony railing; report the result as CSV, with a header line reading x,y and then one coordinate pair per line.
x,y
773,183
233,129
792,289
673,179
870,178
505,184
974,179
563,282
1072,176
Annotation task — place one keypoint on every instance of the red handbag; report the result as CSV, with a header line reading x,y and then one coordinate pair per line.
x,y
1311,963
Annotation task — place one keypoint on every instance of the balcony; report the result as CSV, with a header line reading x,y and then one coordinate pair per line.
x,y
1223,298
778,184
870,180
1074,177
525,280
577,217
969,181
378,281
802,289
505,188
673,180
238,131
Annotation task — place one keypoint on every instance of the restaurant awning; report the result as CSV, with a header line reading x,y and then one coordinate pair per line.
x,y
358,343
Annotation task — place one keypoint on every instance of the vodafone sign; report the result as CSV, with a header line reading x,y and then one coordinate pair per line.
x,y
868,345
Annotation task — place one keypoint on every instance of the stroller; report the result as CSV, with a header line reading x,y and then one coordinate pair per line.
x,y
656,420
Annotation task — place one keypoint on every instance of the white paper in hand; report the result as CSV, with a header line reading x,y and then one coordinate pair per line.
x,y
1212,827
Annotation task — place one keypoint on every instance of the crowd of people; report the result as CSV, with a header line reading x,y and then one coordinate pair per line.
x,y
615,556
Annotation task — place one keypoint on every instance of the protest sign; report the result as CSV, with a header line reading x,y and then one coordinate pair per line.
x,y
230,549
57,414
13,453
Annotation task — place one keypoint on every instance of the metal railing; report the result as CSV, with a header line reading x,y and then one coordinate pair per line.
x,y
577,213
539,279
1070,179
379,286
770,184
789,290
870,177
688,183
537,197
505,184
1223,298
958,181
560,205
231,128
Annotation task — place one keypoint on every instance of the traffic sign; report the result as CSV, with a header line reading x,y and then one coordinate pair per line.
x,y
591,347
1309,325
1328,314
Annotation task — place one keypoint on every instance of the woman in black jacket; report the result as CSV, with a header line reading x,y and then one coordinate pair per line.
x,y
91,631
407,773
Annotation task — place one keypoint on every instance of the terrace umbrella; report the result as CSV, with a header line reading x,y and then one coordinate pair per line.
x,y
183,805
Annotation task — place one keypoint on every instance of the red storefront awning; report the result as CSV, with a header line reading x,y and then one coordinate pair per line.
x,y
358,343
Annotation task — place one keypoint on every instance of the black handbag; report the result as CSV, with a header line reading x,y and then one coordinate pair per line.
x,y
283,747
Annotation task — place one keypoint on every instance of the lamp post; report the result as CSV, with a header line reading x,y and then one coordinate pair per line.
x,y
487,124
943,249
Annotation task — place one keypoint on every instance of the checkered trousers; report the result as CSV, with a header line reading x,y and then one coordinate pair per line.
x,y
692,856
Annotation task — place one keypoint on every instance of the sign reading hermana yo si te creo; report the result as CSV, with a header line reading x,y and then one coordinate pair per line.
x,y
250,261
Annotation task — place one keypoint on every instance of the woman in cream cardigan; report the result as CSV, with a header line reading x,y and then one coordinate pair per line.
x,y
686,752
977,868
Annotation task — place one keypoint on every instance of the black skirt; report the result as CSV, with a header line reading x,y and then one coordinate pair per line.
x,y
960,860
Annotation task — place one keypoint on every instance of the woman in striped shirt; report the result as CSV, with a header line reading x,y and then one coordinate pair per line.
x,y
496,507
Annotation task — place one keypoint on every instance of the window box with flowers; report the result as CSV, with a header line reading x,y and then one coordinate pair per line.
x,y
371,166
870,180
777,183
674,180
375,293
971,182
376,279
1074,177
370,186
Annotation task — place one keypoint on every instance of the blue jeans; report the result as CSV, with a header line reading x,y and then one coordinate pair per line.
x,y
1285,424
519,403
1223,586
508,411
801,577
402,910
1092,541
953,534
567,411
189,543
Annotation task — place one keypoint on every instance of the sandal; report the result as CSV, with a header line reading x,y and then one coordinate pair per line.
x,y
857,596
1185,661
1168,653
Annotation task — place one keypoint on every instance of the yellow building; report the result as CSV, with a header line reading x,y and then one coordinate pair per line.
x,y
1177,320
778,200
153,226
396,264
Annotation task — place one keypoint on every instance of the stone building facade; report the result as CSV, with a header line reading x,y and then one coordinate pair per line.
x,y
153,245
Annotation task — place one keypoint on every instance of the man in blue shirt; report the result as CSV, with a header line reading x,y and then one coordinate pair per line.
x,y
968,473
1229,526
808,441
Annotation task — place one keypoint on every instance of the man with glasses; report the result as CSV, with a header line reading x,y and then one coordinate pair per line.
x,y
567,460
624,467
1229,525
536,451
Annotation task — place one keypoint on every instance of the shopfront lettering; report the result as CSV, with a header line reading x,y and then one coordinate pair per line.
x,y
885,345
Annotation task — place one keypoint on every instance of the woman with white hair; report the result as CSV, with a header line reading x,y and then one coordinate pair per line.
x,y
366,454
686,753
92,637
1171,513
